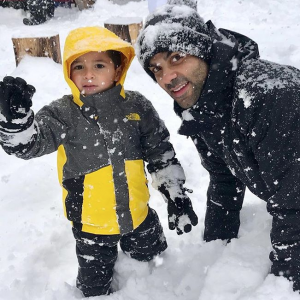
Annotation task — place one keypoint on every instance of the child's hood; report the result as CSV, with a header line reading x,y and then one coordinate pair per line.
x,y
87,39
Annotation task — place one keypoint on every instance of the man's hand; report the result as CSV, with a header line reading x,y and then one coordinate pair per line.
x,y
15,103
181,215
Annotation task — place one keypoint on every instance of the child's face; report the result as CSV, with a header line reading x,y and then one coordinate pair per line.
x,y
94,72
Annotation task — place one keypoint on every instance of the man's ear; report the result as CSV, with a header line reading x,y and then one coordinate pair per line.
x,y
118,74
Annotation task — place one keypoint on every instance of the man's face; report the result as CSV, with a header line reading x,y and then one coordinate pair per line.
x,y
181,75
94,72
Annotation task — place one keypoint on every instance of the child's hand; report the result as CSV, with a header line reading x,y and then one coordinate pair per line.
x,y
15,103
181,215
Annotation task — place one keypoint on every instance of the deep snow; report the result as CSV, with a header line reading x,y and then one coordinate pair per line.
x,y
37,253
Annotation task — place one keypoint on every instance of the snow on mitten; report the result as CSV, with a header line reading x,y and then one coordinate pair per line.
x,y
16,117
181,215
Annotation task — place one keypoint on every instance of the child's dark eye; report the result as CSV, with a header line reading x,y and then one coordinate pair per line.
x,y
78,67
99,66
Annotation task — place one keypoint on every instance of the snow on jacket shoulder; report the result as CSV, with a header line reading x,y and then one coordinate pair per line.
x,y
261,87
265,125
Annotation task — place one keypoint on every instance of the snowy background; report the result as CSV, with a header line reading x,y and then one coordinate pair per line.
x,y
37,252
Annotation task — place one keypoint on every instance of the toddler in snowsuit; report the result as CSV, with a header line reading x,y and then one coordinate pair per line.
x,y
102,136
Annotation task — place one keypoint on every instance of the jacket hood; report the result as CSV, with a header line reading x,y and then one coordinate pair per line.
x,y
87,39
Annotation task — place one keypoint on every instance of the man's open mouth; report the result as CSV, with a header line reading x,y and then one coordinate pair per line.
x,y
180,89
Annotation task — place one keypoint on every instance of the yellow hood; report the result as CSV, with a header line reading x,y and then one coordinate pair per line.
x,y
87,39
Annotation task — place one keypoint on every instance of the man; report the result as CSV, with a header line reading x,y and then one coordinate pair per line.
x,y
242,114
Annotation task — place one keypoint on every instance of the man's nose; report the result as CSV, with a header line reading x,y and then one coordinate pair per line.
x,y
168,76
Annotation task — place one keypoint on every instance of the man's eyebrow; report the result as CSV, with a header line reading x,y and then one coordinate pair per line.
x,y
165,57
168,54
152,65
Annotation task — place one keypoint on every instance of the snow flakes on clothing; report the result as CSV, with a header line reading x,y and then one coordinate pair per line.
x,y
266,76
14,139
170,177
187,116
246,98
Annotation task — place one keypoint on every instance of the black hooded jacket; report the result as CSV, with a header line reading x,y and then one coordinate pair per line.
x,y
246,125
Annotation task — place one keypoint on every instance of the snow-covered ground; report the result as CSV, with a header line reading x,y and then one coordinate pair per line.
x,y
37,252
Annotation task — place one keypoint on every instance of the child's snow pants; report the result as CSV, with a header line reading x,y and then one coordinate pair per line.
x,y
97,254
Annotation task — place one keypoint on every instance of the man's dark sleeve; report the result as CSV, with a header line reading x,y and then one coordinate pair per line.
x,y
278,155
225,196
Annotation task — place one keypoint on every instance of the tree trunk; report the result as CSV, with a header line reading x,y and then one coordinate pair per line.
x,y
126,28
38,47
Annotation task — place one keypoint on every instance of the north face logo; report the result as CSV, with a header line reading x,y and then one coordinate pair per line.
x,y
133,117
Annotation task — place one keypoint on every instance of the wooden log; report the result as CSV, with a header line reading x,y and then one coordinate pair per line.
x,y
38,47
126,28
84,4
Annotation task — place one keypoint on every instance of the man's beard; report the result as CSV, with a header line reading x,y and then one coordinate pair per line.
x,y
196,89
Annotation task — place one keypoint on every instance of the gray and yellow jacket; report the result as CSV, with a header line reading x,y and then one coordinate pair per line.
x,y
102,142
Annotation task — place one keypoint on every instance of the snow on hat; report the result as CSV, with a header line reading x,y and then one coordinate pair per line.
x,y
173,27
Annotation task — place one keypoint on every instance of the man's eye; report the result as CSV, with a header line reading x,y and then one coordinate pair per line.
x,y
177,57
99,66
154,70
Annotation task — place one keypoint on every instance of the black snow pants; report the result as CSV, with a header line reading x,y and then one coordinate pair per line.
x,y
222,218
97,254
285,232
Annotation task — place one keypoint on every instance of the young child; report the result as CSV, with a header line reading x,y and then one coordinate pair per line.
x,y
103,135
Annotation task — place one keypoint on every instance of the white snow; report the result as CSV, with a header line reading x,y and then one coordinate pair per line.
x,y
187,116
246,98
124,20
37,253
